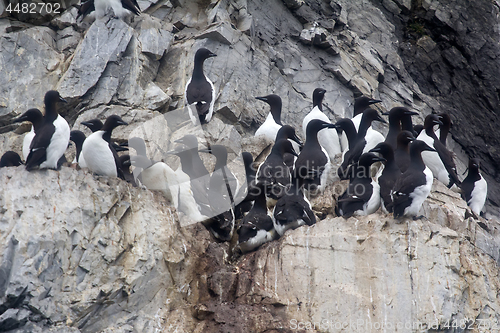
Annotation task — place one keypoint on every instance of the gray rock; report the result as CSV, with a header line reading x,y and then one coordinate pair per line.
x,y
67,19
103,43
154,40
67,39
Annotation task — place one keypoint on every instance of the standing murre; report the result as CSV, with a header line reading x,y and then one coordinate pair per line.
x,y
328,139
10,158
362,197
287,132
474,188
363,143
34,116
100,157
257,226
121,8
273,174
245,195
200,91
313,164
78,138
402,152
272,124
439,161
387,176
396,116
51,139
293,209
221,193
95,125
414,185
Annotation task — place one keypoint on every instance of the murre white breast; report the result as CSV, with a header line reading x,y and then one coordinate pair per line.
x,y
272,124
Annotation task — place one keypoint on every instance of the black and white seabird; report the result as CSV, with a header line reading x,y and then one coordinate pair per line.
x,y
444,129
313,164
221,193
200,91
78,137
396,116
387,176
347,129
10,158
360,104
121,8
328,139
245,195
293,209
287,132
257,226
364,142
362,197
474,188
95,125
100,156
34,116
272,124
51,140
414,185
402,152
273,174
439,161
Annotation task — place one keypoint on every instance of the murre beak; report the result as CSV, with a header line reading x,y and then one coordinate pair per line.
x,y
264,99
382,120
296,139
20,119
212,55
62,99
379,159
374,101
411,113
438,122
121,122
374,150
327,125
385,113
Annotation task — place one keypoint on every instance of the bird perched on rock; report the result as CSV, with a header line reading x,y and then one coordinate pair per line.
x,y
51,139
272,124
78,138
10,158
287,132
313,164
95,125
221,192
257,226
474,188
439,161
387,176
362,197
328,139
100,156
364,142
34,116
293,209
245,195
121,8
402,152
396,116
273,174
414,185
200,91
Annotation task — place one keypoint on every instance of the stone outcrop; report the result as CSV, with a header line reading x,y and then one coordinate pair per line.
x,y
80,253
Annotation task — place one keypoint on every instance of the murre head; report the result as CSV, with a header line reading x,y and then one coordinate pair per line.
x,y
368,159
370,115
203,54
10,158
398,113
474,165
283,146
274,102
430,121
405,137
288,132
318,95
112,122
317,125
52,97
93,124
34,116
362,103
77,137
419,146
383,149
138,144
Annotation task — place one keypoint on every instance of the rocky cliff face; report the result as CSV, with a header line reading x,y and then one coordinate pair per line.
x,y
81,253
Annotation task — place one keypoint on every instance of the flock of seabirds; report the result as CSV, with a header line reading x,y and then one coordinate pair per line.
x,y
411,157
394,172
